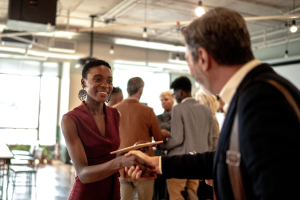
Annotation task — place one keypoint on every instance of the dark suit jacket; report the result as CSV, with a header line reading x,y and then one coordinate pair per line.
x,y
269,137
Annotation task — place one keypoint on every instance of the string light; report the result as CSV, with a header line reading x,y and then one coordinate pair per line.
x,y
112,51
145,33
199,10
293,28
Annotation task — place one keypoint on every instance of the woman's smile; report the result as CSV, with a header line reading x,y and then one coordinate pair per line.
x,y
103,94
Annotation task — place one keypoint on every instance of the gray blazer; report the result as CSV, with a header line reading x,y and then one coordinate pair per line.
x,y
191,129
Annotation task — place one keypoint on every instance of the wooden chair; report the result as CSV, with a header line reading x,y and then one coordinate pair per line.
x,y
15,171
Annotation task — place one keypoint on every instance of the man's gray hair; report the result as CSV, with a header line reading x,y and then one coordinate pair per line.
x,y
223,34
134,84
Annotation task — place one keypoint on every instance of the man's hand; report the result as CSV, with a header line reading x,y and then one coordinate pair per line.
x,y
140,165
137,172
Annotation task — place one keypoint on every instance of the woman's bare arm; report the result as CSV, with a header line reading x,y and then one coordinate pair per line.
x,y
89,174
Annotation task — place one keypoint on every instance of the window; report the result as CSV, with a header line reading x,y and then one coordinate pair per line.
x,y
155,84
28,101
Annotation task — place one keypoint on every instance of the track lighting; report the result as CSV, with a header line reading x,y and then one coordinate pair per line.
x,y
145,33
293,28
112,51
199,10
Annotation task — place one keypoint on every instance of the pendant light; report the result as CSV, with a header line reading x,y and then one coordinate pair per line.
x,y
293,28
199,10
145,28
112,51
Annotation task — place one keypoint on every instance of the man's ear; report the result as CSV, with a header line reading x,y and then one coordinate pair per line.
x,y
203,59
180,92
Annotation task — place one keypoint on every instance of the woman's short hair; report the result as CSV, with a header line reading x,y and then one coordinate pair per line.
x,y
91,64
209,101
167,93
224,35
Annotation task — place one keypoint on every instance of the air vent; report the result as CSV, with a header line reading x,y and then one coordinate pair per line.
x,y
65,46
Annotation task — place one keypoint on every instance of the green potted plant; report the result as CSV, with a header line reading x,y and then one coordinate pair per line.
x,y
50,157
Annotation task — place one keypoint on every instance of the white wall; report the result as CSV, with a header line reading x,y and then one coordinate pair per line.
x,y
290,72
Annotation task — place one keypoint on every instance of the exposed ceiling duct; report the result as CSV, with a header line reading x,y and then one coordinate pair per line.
x,y
117,11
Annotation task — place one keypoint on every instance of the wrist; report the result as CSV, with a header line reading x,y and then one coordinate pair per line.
x,y
120,162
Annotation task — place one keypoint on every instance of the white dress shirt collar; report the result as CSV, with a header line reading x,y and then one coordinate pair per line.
x,y
232,84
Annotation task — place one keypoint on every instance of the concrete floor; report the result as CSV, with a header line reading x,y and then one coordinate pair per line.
x,y
54,182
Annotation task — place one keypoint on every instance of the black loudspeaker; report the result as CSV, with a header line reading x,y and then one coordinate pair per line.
x,y
32,15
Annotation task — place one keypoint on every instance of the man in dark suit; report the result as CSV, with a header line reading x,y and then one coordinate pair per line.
x,y
218,52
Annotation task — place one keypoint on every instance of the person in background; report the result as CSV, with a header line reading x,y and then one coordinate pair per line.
x,y
220,115
138,123
164,121
191,131
115,97
91,132
211,102
221,102
204,191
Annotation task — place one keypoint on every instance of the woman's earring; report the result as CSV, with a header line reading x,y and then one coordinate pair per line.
x,y
108,99
82,94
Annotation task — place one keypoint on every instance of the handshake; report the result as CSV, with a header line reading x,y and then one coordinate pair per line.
x,y
138,165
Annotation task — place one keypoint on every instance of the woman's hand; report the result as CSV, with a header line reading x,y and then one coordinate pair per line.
x,y
136,163
136,172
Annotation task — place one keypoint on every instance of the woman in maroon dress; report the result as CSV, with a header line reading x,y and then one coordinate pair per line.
x,y
91,132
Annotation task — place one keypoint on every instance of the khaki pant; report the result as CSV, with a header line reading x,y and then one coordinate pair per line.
x,y
175,186
144,188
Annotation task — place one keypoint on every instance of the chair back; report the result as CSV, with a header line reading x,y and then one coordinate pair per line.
x,y
38,153
33,146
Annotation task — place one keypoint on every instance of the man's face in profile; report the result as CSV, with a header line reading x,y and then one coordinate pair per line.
x,y
195,69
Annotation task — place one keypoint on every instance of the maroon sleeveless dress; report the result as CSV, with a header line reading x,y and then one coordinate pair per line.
x,y
97,149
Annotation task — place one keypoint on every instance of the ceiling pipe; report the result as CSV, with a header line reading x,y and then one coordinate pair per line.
x,y
30,42
274,42
118,10
182,23
92,34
